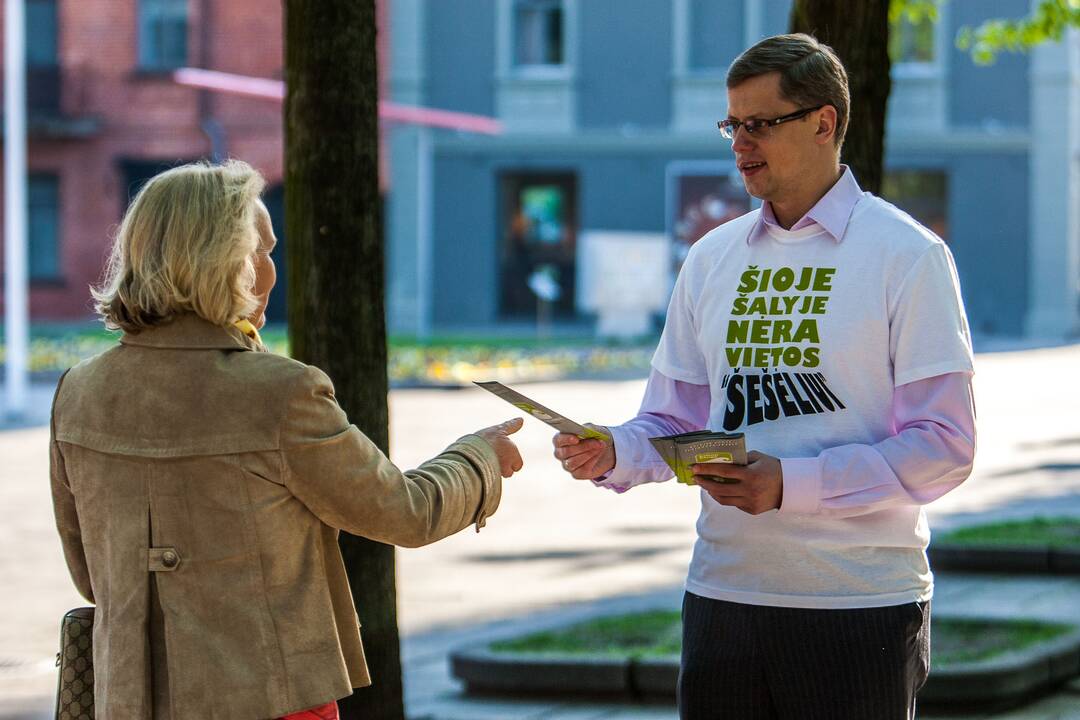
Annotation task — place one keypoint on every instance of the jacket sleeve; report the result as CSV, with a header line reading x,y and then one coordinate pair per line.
x,y
346,481
67,517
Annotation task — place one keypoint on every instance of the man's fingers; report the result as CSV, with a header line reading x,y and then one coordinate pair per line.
x,y
565,440
726,470
578,461
587,449
713,486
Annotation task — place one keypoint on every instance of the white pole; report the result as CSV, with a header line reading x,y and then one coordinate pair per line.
x,y
16,305
423,232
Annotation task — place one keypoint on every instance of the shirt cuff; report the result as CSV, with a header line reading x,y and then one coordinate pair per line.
x,y
618,478
802,485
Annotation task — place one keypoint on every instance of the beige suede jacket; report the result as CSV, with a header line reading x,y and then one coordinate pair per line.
x,y
199,485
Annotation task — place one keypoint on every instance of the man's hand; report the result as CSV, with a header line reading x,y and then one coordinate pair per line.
x,y
585,459
753,488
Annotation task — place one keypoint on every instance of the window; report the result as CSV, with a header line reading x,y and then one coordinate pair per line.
x,y
539,243
923,194
538,32
42,66
41,33
43,192
912,42
163,31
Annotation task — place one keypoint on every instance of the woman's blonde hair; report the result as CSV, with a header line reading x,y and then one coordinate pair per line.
x,y
186,244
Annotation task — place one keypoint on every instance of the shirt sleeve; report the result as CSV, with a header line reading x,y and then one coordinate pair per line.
x,y
928,329
931,453
678,355
668,407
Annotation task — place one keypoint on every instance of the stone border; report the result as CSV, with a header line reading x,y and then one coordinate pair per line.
x,y
998,682
1004,559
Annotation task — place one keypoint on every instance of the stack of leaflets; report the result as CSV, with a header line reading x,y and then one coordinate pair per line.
x,y
682,452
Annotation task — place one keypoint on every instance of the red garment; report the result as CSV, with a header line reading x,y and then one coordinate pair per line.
x,y
329,711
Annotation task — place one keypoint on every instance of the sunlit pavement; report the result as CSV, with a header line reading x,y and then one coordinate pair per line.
x,y
560,548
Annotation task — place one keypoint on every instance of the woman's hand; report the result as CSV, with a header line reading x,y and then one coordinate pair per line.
x,y
498,437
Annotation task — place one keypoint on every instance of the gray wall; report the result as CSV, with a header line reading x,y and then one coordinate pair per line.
x,y
716,34
624,67
614,193
459,39
465,268
776,15
987,215
624,63
982,96
988,211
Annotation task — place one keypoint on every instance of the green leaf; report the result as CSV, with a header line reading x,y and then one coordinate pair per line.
x,y
1047,22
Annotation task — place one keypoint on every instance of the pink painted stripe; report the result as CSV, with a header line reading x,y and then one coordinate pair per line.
x,y
392,112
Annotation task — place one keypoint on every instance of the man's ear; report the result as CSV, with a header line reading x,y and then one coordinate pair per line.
x,y
826,129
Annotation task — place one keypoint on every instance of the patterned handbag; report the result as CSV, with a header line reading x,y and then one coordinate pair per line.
x,y
75,689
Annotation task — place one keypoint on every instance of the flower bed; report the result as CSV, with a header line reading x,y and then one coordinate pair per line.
x,y
443,363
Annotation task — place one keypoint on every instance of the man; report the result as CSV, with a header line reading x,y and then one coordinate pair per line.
x,y
828,328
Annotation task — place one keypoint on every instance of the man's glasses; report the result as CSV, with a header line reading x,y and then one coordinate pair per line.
x,y
759,127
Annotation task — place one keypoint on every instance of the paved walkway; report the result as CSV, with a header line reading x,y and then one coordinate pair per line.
x,y
559,549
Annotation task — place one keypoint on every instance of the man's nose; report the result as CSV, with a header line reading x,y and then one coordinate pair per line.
x,y
742,140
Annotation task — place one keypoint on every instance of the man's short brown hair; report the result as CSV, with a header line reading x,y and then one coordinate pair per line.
x,y
810,73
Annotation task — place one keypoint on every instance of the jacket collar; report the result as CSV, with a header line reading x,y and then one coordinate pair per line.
x,y
190,332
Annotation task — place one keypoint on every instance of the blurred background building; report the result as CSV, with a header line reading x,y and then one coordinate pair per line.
x,y
104,115
609,109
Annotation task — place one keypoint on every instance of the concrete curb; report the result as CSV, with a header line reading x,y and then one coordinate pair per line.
x,y
489,672
995,683
984,558
1007,679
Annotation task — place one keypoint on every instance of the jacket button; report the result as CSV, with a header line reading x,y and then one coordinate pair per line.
x,y
170,559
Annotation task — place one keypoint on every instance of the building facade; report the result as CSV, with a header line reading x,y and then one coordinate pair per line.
x,y
610,110
104,114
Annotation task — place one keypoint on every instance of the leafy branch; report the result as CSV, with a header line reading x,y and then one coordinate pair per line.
x,y
1047,22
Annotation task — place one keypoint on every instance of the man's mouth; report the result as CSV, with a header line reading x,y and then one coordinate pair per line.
x,y
750,167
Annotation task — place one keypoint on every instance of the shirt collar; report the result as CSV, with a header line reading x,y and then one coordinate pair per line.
x,y
831,213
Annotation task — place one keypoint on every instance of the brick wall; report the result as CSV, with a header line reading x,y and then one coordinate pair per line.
x,y
146,118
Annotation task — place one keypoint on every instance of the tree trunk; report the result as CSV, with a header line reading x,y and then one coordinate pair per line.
x,y
859,33
335,275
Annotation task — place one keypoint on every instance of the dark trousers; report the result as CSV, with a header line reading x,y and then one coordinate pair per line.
x,y
752,662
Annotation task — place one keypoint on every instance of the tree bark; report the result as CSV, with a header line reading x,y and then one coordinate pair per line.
x,y
859,33
336,276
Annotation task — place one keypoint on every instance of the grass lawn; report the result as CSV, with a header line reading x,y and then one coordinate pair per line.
x,y
658,633
1061,532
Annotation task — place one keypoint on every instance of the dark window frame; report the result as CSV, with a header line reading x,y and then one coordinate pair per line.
x,y
545,12
152,55
43,191
515,300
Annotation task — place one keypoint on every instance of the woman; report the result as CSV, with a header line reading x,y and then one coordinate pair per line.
x,y
199,482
